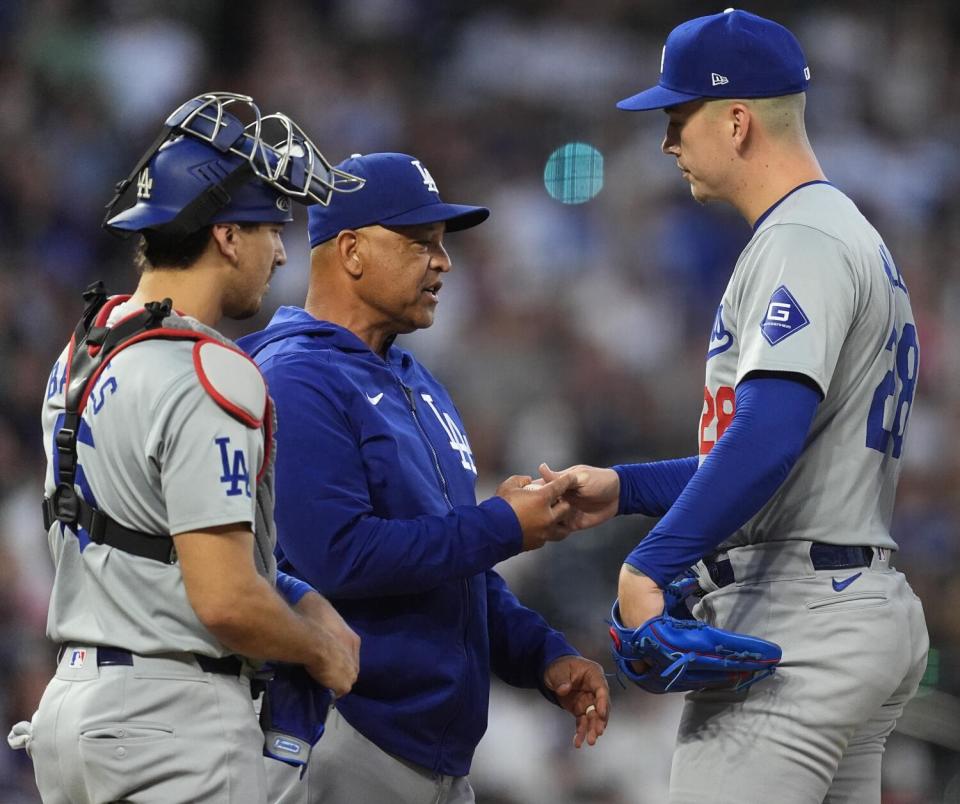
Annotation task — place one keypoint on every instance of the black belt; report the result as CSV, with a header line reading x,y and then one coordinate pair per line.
x,y
225,666
823,556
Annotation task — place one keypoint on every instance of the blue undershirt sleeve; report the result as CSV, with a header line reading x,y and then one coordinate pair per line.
x,y
651,488
291,589
746,466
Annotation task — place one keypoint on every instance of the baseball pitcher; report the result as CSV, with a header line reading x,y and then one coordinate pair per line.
x,y
811,368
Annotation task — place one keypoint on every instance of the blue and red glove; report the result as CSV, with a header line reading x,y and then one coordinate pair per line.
x,y
680,655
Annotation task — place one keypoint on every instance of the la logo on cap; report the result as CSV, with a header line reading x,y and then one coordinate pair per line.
x,y
427,178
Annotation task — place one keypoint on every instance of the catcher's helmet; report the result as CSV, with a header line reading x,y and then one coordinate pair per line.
x,y
206,166
180,172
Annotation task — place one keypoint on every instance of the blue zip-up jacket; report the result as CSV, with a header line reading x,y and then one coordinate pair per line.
x,y
376,509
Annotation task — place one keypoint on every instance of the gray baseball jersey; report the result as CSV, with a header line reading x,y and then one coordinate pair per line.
x,y
160,453
816,292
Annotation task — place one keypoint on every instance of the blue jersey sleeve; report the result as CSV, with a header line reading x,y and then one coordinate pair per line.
x,y
326,528
651,488
746,466
522,645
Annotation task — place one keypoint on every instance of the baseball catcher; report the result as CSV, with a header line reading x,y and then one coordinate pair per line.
x,y
158,496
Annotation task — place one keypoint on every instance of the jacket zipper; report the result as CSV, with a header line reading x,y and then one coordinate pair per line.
x,y
408,392
426,438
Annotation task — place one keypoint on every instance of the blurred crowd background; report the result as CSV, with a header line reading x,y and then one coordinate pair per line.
x,y
566,333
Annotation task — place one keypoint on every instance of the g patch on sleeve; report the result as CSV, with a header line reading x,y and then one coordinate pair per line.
x,y
233,380
784,316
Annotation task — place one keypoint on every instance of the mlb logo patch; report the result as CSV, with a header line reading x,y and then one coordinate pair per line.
x,y
77,658
784,316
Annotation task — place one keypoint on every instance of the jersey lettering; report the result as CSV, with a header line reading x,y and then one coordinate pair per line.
x,y
56,382
717,414
890,267
107,384
235,470
458,441
893,397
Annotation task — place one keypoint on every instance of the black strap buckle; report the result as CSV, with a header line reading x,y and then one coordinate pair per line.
x,y
158,311
95,291
66,504
66,439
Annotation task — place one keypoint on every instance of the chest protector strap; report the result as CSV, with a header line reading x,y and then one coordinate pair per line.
x,y
90,349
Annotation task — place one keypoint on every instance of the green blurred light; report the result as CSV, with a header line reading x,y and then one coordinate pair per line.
x,y
574,173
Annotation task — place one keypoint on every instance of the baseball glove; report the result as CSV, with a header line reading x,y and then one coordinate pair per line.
x,y
292,715
685,655
675,595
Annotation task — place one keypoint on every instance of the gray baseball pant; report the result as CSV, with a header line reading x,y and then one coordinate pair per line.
x,y
815,731
159,732
347,768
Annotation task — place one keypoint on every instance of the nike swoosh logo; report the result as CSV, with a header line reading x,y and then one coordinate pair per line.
x,y
374,400
839,586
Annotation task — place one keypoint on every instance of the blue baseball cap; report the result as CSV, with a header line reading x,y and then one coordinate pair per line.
x,y
399,191
730,55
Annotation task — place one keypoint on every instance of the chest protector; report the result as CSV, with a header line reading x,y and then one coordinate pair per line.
x,y
91,347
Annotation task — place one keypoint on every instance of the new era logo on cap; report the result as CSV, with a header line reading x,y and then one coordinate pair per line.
x,y
717,80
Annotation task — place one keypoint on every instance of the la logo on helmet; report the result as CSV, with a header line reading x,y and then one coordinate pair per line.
x,y
144,184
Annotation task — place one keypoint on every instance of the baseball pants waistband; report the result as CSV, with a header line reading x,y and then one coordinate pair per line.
x,y
108,656
753,558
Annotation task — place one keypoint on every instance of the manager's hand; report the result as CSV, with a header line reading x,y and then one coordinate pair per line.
x,y
581,688
540,507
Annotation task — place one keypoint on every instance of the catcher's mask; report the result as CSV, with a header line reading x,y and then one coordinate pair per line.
x,y
207,166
